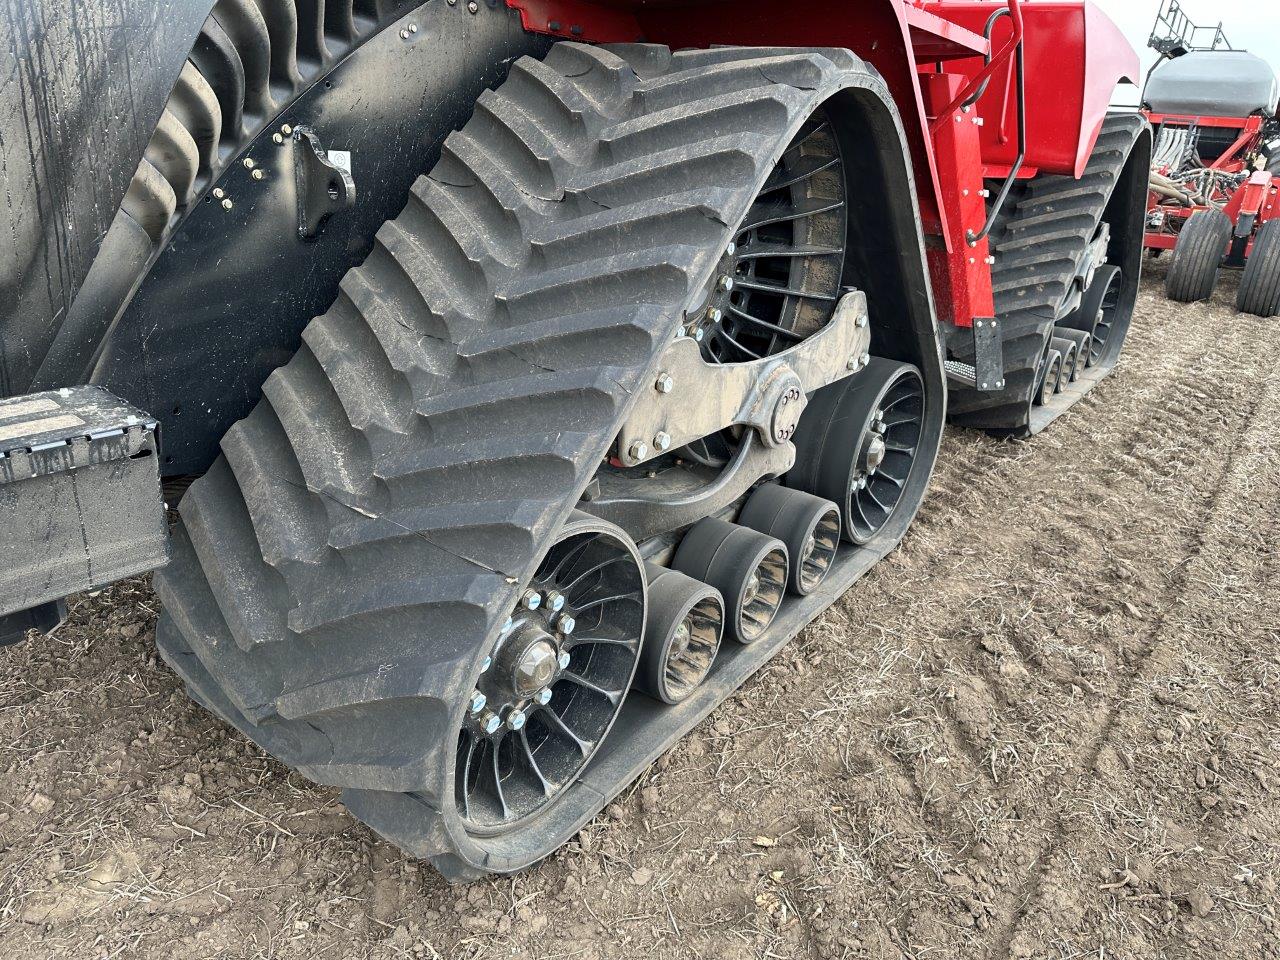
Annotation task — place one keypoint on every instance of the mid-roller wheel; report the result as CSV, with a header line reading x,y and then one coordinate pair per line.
x,y
748,568
808,525
682,637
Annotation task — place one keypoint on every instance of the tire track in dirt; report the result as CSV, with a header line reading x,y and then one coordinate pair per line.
x,y
1245,362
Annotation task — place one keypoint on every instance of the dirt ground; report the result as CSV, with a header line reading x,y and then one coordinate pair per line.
x,y
1049,727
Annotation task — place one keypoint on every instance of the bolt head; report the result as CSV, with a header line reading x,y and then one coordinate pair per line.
x,y
698,335
413,28
490,723
219,192
286,129
564,660
531,600
852,364
543,697
638,450
248,163
566,625
257,174
860,322
515,719
666,383
555,601
478,702
731,249
726,284
473,7
715,315
277,138
662,442
226,204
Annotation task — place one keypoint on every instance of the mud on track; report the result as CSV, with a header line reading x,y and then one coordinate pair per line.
x,y
1049,726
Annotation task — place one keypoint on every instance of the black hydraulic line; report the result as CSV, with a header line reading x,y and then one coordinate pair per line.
x,y
976,238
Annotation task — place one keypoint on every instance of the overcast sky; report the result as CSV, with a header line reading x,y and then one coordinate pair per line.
x,y
1253,25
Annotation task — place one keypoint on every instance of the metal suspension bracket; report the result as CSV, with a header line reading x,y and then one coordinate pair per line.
x,y
693,399
325,187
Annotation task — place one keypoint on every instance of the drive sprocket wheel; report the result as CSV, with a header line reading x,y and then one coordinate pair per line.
x,y
343,576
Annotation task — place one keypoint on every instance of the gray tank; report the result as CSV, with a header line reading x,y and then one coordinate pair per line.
x,y
1214,83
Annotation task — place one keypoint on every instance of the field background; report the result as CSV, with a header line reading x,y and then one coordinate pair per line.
x,y
1048,726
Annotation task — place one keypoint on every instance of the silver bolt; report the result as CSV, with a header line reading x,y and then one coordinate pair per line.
x,y
731,249
662,441
852,364
698,335
473,7
286,129
543,697
226,204
566,625
862,483
257,174
219,192
715,315
866,359
638,451
515,719
490,722
555,601
488,662
563,660
726,284
277,138
478,702
248,163
531,600
666,383
861,322
404,34
413,28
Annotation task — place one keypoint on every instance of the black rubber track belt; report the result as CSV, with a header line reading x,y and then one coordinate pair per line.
x,y
1039,246
341,570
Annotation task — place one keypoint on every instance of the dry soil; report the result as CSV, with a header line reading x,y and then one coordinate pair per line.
x,y
1048,726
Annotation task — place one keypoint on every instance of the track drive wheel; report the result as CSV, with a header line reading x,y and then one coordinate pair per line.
x,y
1197,258
857,445
1260,286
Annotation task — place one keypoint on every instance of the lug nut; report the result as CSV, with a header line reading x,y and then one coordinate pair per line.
x,y
478,702
638,451
490,722
515,719
662,442
698,334
227,204
555,601
715,315
286,129
566,625
726,284
277,138
257,174
665,383
248,163
531,600
563,660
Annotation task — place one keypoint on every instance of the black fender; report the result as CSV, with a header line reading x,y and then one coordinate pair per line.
x,y
84,86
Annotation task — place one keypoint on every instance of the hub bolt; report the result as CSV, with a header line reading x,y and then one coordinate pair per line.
x,y
662,441
731,249
566,624
726,284
666,383
219,193
277,138
543,697
257,174
531,600
638,451
698,334
715,315
227,204
490,722
515,719
555,601
478,702
564,660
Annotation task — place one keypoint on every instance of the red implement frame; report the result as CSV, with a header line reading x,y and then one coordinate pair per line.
x,y
935,56
1249,206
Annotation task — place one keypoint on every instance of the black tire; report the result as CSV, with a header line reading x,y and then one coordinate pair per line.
x,y
341,573
1197,258
1260,287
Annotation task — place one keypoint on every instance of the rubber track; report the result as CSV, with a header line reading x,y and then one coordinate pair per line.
x,y
1039,247
338,572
